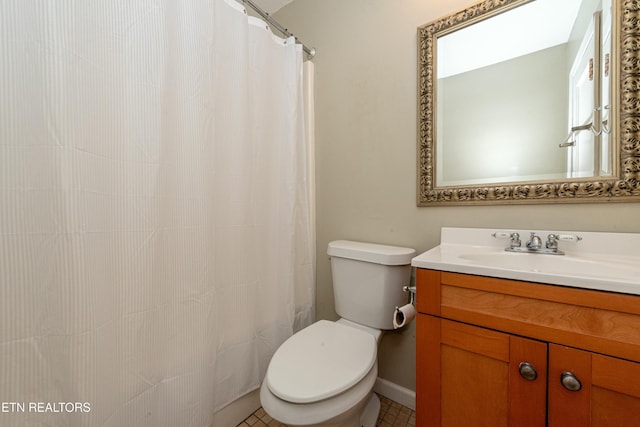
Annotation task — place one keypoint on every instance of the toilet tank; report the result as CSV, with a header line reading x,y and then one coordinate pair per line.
x,y
368,280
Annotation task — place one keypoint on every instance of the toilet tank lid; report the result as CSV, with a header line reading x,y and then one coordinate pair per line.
x,y
371,252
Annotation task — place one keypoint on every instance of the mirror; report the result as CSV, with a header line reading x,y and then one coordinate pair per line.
x,y
522,101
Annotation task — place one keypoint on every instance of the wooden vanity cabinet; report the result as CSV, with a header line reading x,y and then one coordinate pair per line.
x,y
495,352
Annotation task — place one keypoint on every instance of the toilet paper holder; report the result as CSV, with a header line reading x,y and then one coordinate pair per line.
x,y
412,293
405,314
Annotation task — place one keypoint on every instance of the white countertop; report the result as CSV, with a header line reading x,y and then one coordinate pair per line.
x,y
601,261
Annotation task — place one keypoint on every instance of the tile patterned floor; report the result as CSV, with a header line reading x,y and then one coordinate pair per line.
x,y
392,414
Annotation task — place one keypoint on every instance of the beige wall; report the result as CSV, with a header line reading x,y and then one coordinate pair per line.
x,y
366,147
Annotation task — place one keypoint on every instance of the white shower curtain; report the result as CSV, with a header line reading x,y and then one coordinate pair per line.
x,y
156,232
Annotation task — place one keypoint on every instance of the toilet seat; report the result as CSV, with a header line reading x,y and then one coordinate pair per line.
x,y
328,411
321,361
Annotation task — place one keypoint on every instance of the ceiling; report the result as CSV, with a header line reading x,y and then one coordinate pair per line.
x,y
271,6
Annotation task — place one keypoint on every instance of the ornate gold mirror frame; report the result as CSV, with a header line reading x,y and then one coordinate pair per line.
x,y
624,186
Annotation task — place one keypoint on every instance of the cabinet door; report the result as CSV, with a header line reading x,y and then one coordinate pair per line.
x,y
470,376
602,391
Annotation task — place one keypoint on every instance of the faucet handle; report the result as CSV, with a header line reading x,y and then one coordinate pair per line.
x,y
552,240
501,235
568,237
513,237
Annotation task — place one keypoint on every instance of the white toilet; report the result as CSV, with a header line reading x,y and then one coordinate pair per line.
x,y
324,374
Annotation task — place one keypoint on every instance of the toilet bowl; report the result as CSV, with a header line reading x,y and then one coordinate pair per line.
x,y
324,374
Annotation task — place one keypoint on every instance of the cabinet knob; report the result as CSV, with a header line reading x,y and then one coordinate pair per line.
x,y
527,371
570,381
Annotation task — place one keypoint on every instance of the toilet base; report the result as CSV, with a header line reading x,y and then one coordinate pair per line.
x,y
370,414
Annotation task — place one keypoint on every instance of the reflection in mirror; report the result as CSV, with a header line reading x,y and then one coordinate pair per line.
x,y
521,80
517,103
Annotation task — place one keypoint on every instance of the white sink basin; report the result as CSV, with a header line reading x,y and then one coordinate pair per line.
x,y
603,261
559,265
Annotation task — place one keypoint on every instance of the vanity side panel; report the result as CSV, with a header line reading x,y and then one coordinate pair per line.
x,y
428,374
428,291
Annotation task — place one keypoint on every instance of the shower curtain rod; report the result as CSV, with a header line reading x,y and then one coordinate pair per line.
x,y
311,52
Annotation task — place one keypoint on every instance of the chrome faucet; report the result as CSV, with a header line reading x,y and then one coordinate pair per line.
x,y
535,242
534,245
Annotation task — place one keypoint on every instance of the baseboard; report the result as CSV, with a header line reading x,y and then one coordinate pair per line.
x,y
397,393
237,411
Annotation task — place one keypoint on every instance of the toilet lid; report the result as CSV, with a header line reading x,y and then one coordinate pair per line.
x,y
320,361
